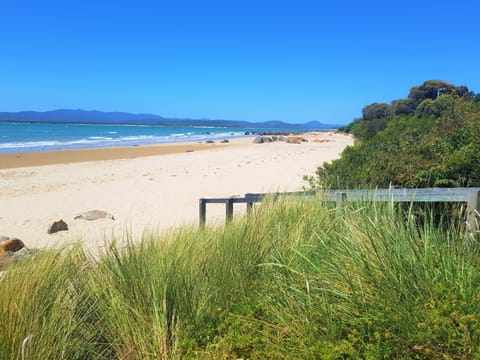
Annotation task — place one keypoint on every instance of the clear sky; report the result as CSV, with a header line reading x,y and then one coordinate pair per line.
x,y
253,60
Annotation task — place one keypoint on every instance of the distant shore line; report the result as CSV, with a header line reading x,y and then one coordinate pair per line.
x,y
64,156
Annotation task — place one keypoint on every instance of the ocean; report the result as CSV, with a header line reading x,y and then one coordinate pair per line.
x,y
24,137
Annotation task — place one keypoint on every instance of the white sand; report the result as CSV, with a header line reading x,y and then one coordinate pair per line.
x,y
152,192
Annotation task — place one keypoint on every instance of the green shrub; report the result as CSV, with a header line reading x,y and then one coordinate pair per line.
x,y
434,144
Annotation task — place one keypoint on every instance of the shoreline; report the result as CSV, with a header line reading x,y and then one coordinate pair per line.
x,y
16,160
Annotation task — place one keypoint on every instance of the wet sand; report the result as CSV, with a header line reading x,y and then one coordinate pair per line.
x,y
25,159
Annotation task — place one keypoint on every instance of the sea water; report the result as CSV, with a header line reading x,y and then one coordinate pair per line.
x,y
22,137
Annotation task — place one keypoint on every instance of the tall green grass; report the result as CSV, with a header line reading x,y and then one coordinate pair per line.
x,y
294,280
43,310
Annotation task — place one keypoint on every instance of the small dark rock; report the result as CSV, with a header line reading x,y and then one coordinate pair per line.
x,y
57,226
224,141
210,142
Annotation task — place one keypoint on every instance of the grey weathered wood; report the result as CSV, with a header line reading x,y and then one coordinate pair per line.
x,y
471,196
224,200
202,210
229,210
403,195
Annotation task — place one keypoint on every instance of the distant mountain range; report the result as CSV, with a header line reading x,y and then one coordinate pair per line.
x,y
100,117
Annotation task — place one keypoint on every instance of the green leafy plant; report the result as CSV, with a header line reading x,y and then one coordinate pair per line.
x,y
434,144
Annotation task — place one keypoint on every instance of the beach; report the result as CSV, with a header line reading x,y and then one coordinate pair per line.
x,y
147,189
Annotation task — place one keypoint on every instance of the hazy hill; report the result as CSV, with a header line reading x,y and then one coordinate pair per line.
x,y
92,117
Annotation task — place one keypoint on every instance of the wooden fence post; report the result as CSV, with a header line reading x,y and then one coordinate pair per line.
x,y
202,207
228,210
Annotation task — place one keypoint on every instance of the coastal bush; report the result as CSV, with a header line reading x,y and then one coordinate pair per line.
x,y
434,144
294,279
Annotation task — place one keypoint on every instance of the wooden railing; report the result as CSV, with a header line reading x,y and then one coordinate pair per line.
x,y
470,196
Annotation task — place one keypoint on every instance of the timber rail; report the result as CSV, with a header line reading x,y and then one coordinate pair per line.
x,y
470,196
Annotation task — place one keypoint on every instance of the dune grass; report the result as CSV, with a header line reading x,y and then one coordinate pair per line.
x,y
294,280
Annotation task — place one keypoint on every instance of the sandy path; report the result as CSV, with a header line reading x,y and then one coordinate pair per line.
x,y
150,192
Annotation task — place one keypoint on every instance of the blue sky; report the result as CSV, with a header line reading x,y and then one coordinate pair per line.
x,y
294,61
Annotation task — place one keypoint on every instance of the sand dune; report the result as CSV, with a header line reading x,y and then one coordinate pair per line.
x,y
146,188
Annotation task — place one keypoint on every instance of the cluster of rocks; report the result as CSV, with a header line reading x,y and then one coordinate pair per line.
x,y
224,141
12,249
274,133
61,225
261,139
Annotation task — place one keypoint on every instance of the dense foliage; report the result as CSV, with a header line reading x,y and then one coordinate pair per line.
x,y
297,280
429,139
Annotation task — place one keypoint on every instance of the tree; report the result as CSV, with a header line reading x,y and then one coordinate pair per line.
x,y
462,91
403,107
376,111
430,89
